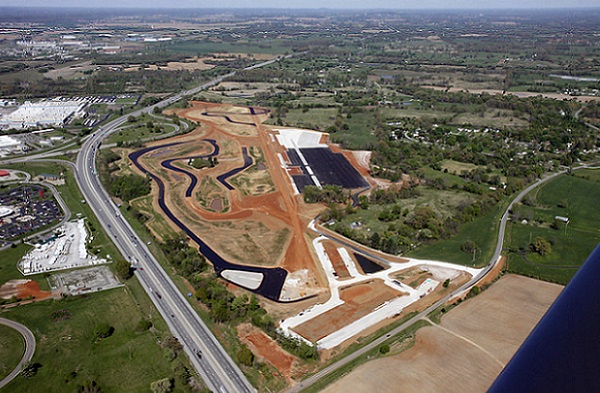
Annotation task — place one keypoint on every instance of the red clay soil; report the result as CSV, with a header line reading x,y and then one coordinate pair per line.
x,y
359,299
336,260
23,289
277,209
32,288
264,346
492,274
294,170
280,205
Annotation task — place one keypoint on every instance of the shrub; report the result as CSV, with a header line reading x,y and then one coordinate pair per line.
x,y
385,348
103,330
245,356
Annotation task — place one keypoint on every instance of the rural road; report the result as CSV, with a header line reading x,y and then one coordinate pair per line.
x,y
423,314
29,348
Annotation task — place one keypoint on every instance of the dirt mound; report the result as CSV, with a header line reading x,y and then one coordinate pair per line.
x,y
359,300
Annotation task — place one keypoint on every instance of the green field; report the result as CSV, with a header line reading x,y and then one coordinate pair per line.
x,y
69,354
12,347
443,203
358,135
134,132
483,231
567,196
589,174
8,262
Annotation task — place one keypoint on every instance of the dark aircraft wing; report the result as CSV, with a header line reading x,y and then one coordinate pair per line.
x,y
562,353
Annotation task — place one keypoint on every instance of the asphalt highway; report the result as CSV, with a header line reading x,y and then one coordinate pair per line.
x,y
214,365
29,348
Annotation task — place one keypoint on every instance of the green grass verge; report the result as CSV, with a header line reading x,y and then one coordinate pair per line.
x,y
12,347
483,231
8,262
128,360
589,174
138,130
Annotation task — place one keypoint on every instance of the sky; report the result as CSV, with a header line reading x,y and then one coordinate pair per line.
x,y
332,4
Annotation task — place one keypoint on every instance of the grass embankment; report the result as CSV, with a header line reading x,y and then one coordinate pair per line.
x,y
139,129
8,262
574,197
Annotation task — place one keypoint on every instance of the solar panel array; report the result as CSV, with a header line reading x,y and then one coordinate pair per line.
x,y
329,168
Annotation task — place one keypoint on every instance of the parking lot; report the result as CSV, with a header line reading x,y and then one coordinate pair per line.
x,y
27,209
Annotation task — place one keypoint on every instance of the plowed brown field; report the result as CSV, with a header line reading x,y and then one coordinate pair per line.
x,y
467,351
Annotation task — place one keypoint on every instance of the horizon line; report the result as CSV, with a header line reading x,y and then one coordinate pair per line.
x,y
128,7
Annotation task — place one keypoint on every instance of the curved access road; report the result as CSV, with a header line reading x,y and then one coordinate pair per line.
x,y
423,314
29,348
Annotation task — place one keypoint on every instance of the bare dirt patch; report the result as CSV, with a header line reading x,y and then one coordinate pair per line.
x,y
466,353
264,347
359,300
23,289
216,204
254,182
336,260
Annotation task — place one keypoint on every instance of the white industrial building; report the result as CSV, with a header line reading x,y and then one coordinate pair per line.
x,y
54,113
66,251
8,142
9,145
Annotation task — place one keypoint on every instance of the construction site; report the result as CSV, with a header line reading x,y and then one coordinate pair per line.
x,y
235,178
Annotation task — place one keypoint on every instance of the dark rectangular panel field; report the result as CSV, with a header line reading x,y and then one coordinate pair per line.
x,y
302,181
294,157
333,168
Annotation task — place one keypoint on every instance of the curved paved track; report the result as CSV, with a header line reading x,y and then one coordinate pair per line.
x,y
29,348
274,278
168,164
247,162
